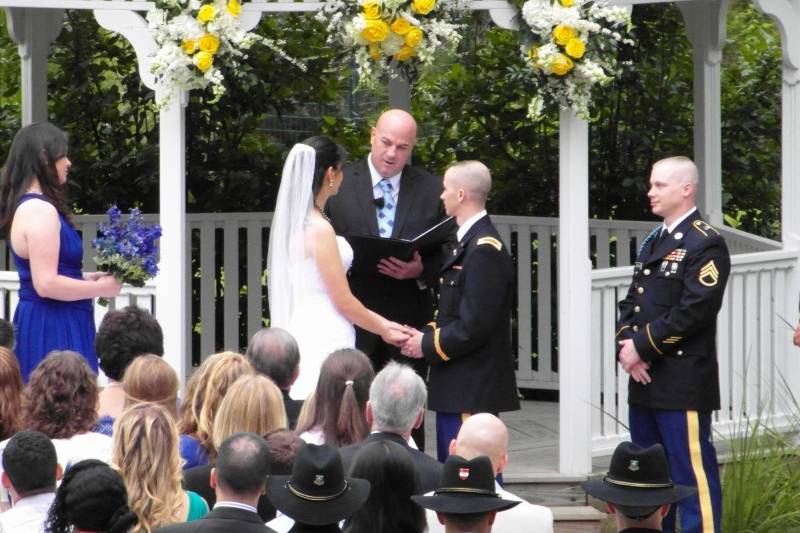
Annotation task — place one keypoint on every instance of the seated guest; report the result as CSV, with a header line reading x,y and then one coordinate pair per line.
x,y
283,446
123,335
274,353
91,498
146,454
253,404
10,393
485,434
30,471
60,401
317,496
202,397
239,479
466,500
150,379
396,406
336,408
390,471
638,488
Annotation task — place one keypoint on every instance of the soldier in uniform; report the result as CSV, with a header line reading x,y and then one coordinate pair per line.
x,y
469,344
667,340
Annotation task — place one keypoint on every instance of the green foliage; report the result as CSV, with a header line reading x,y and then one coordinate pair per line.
x,y
476,109
761,481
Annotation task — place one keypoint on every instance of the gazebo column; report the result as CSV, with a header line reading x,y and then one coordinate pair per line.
x,y
33,30
705,28
574,298
786,15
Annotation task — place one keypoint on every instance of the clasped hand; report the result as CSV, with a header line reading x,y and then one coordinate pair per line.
x,y
408,339
631,362
397,269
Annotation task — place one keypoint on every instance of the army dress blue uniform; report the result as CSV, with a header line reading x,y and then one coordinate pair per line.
x,y
469,345
670,313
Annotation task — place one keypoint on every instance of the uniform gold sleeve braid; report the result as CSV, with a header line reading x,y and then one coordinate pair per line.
x,y
652,343
438,346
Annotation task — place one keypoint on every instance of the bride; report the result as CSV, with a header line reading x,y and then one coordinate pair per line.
x,y
307,264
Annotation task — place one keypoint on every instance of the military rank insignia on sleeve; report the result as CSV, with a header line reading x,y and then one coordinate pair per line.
x,y
709,275
491,240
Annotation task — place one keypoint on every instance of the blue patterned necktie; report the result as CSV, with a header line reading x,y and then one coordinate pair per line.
x,y
386,211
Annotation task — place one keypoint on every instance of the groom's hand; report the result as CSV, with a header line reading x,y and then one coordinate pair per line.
x,y
413,346
397,269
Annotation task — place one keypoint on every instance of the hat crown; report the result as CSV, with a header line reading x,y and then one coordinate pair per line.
x,y
317,472
639,467
463,476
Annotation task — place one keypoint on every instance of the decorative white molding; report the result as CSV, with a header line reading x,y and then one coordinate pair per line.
x,y
786,14
133,27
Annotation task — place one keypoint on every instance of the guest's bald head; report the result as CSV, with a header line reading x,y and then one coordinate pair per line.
x,y
483,434
474,177
392,141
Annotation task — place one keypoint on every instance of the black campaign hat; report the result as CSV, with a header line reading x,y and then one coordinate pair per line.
x,y
638,477
466,487
317,493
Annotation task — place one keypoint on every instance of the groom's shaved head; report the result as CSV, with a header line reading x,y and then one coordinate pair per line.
x,y
472,176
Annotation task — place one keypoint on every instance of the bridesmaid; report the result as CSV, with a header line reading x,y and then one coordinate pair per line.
x,y
55,307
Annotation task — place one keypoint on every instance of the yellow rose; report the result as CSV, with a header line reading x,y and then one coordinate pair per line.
x,y
372,10
566,3
533,52
375,31
400,26
206,13
209,43
405,53
413,36
375,52
423,7
234,7
562,65
575,48
203,60
189,46
563,34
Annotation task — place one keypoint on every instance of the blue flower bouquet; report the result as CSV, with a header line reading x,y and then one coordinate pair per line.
x,y
127,248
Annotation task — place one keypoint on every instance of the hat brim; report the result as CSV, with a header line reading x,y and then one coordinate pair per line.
x,y
636,497
317,513
463,504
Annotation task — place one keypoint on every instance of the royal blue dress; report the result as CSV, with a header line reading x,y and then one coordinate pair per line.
x,y
43,324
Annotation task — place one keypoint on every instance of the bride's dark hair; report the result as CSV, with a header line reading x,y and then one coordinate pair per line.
x,y
327,154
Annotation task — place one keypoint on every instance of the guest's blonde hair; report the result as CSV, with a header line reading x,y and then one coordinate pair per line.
x,y
150,379
205,391
146,454
253,404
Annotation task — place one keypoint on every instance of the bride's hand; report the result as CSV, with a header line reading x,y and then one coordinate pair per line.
x,y
394,333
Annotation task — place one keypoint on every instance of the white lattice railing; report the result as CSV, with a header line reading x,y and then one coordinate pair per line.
x,y
751,346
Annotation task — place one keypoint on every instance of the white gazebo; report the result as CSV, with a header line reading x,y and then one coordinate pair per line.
x,y
763,283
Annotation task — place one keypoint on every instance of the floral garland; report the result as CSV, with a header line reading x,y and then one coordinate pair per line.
x,y
571,47
197,39
398,37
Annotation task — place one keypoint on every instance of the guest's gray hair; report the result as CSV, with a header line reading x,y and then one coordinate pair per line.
x,y
273,352
396,396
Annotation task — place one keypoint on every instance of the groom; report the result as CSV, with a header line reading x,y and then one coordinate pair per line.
x,y
382,196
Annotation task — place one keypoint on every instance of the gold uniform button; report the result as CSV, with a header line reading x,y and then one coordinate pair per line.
x,y
680,352
666,274
441,281
640,290
635,328
646,271
637,309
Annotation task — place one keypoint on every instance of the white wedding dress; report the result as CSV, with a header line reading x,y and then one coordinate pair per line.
x,y
317,325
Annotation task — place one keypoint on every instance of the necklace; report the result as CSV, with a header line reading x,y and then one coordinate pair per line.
x,y
321,212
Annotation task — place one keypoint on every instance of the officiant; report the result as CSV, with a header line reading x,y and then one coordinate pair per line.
x,y
384,196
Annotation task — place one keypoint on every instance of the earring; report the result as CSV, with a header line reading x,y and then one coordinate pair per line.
x,y
330,184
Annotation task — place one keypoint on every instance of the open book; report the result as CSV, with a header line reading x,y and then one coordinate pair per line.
x,y
368,250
